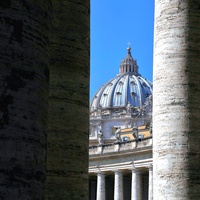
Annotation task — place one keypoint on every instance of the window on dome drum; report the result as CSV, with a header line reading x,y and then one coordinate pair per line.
x,y
132,83
147,95
121,83
110,84
144,84
133,93
118,93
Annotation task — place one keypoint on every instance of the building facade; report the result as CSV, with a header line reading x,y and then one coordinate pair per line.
x,y
45,61
176,107
120,152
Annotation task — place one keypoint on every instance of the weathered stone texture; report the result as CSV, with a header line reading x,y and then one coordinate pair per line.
x,y
176,120
118,186
23,98
136,186
101,187
67,161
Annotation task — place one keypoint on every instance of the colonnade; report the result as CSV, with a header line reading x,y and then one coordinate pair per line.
x,y
136,187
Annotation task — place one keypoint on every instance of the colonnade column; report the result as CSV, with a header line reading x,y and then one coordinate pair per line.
x,y
118,190
136,186
150,183
176,116
101,192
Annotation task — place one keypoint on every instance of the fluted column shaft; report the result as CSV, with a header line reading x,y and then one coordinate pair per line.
x,y
101,192
136,186
118,190
150,196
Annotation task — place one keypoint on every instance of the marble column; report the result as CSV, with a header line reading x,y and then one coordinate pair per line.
x,y
136,187
118,190
101,192
150,183
176,105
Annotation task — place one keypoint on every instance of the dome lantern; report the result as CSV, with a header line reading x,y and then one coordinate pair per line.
x,y
129,64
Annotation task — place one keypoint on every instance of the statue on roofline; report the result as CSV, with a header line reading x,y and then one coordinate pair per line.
x,y
117,134
100,137
135,132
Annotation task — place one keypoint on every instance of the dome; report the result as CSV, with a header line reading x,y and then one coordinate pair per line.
x,y
128,88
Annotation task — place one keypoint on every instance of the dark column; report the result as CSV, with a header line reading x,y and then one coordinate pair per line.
x,y
110,187
23,98
127,186
67,160
92,188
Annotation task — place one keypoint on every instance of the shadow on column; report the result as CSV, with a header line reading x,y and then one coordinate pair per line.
x,y
145,186
110,187
127,186
92,187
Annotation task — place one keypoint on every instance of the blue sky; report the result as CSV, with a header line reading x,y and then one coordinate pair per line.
x,y
115,23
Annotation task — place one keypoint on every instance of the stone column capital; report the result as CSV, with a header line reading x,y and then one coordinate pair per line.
x,y
101,173
135,170
118,171
150,167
